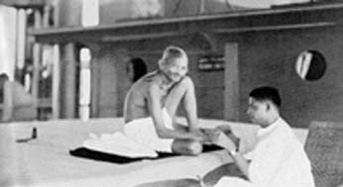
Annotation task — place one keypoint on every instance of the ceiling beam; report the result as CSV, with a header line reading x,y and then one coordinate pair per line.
x,y
237,22
24,3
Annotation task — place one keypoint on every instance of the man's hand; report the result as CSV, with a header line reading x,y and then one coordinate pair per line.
x,y
198,135
224,141
211,135
228,132
180,127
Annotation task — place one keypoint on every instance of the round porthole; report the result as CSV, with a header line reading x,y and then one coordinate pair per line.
x,y
310,65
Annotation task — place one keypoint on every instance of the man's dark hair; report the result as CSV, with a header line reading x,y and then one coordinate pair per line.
x,y
266,93
139,68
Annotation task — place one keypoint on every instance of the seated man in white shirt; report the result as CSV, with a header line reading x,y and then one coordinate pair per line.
x,y
278,159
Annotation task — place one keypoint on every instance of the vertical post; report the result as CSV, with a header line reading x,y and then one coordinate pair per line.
x,y
36,56
85,84
56,15
11,38
232,104
56,80
95,81
46,16
90,13
68,81
21,38
56,83
67,13
202,7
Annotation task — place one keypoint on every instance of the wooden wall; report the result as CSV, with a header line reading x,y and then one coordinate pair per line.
x,y
268,58
265,58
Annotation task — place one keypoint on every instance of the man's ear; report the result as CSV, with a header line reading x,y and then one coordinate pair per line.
x,y
268,106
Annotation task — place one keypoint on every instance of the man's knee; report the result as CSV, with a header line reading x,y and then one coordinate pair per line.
x,y
183,86
187,82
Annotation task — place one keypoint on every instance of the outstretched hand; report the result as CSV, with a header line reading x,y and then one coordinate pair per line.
x,y
210,135
220,135
228,132
224,141
199,135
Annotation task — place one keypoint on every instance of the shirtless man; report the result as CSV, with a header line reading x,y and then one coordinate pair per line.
x,y
157,96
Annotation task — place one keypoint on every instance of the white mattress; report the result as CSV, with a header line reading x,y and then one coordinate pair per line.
x,y
46,161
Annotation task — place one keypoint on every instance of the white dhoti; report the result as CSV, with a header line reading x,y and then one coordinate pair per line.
x,y
143,131
139,139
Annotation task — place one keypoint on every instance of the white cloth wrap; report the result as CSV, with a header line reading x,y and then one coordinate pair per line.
x,y
139,139
143,131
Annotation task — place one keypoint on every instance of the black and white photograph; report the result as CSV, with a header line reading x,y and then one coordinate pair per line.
x,y
171,93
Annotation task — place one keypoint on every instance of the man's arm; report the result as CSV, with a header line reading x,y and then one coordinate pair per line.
x,y
156,114
229,133
237,157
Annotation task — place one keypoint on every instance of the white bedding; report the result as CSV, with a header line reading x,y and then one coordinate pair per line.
x,y
46,162
118,143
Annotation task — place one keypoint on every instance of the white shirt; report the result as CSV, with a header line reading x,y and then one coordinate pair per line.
x,y
278,160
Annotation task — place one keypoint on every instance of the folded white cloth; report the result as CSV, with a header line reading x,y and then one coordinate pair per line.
x,y
139,139
119,144
143,131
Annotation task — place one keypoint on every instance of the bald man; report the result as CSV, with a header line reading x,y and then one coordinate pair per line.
x,y
151,105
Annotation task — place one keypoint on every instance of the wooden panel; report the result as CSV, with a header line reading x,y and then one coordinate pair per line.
x,y
231,96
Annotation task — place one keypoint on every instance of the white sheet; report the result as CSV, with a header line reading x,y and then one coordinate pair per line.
x,y
138,139
119,144
46,161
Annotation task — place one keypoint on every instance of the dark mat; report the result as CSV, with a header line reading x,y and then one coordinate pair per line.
x,y
118,159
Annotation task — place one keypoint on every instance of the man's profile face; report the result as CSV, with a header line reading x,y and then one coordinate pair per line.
x,y
257,111
177,69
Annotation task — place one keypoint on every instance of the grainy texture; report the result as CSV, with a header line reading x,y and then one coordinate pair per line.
x,y
324,147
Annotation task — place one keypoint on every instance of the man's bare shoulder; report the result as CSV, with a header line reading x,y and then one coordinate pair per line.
x,y
142,86
150,77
